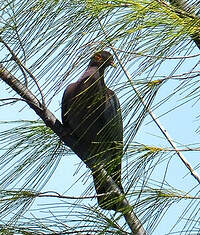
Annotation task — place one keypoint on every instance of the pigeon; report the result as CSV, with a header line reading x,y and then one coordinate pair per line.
x,y
92,114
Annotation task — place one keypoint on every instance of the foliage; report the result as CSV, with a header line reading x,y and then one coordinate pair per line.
x,y
47,44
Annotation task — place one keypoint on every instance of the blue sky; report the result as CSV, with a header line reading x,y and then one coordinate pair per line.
x,y
181,123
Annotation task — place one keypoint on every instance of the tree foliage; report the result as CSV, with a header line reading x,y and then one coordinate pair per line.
x,y
46,44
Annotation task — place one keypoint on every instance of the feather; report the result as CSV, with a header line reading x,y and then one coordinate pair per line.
x,y
92,112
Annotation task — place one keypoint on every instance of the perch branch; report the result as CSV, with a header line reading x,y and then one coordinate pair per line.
x,y
53,123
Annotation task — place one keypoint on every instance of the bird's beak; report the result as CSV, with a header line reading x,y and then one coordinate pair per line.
x,y
113,64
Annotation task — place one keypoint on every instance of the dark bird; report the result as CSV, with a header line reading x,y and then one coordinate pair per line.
x,y
91,111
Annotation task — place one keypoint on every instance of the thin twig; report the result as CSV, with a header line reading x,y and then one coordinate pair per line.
x,y
22,67
159,125
57,195
181,12
140,54
162,129
182,9
152,115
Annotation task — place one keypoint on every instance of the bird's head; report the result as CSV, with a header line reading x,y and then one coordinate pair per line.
x,y
102,59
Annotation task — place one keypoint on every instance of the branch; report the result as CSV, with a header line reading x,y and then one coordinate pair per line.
x,y
53,194
152,115
184,6
52,122
158,124
22,68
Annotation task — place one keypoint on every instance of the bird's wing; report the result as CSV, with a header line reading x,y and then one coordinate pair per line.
x,y
110,138
110,151
113,116
67,100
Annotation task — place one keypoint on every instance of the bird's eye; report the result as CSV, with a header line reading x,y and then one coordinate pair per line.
x,y
98,57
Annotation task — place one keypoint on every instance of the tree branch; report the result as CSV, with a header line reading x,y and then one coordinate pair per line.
x,y
184,6
23,69
158,124
152,115
52,122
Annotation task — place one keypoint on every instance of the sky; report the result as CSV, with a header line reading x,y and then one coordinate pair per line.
x,y
181,123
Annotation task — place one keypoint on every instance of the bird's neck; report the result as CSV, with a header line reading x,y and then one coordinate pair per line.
x,y
100,71
101,80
